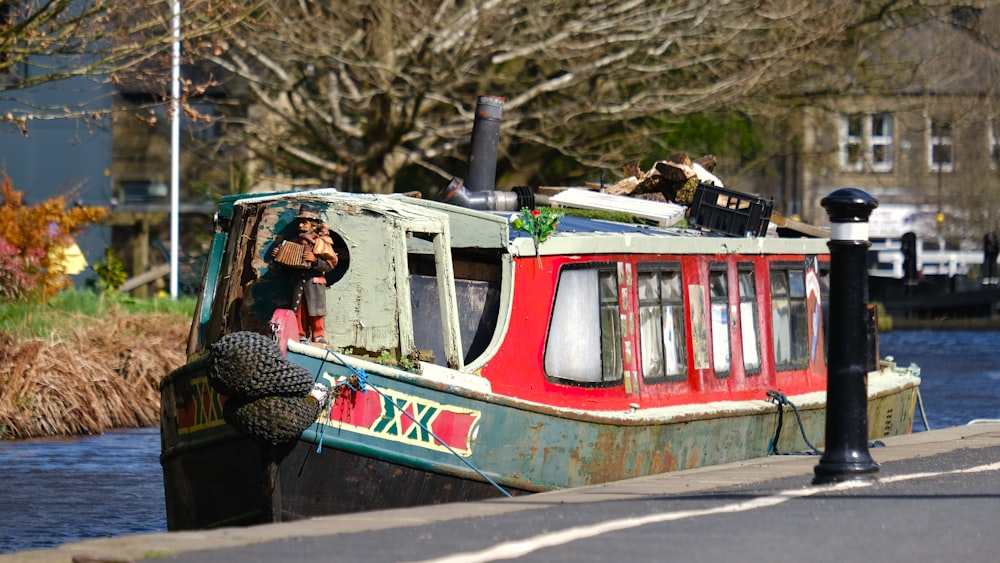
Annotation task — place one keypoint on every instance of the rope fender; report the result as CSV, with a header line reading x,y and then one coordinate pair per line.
x,y
267,397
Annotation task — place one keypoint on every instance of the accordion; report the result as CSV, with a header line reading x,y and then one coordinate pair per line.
x,y
290,254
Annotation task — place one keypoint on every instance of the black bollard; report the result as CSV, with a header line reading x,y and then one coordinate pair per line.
x,y
908,244
846,455
991,249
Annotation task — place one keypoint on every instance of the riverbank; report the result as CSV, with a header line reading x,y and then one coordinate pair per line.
x,y
90,372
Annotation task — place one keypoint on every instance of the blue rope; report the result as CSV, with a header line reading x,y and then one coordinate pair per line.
x,y
363,381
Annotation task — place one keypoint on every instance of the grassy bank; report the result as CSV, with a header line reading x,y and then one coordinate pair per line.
x,y
85,363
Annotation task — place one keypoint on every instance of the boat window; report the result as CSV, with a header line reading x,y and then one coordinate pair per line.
x,y
789,317
748,320
584,337
661,316
824,287
477,292
719,289
699,328
611,334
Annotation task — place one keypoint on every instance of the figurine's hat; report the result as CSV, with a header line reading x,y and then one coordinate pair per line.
x,y
307,211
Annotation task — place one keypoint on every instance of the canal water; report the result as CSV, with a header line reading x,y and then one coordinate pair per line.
x,y
55,491
58,491
960,372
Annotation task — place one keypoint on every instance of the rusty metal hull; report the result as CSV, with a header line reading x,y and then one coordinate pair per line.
x,y
366,454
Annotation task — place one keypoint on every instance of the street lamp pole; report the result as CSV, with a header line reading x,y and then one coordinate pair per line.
x,y
175,155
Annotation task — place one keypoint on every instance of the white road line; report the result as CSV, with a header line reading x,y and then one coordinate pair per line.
x,y
976,469
518,548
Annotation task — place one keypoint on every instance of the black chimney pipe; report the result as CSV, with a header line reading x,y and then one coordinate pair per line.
x,y
456,193
485,145
478,190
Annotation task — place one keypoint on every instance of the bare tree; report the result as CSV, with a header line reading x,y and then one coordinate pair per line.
x,y
47,41
364,89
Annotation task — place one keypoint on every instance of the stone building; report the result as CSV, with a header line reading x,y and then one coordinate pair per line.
x,y
928,149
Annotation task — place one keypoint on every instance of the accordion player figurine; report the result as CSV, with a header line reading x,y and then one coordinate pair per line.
x,y
309,256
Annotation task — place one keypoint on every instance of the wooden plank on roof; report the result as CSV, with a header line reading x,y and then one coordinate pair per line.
x,y
806,229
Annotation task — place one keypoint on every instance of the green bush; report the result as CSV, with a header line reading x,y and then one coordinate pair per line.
x,y
111,273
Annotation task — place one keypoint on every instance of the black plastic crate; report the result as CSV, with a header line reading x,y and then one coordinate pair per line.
x,y
731,212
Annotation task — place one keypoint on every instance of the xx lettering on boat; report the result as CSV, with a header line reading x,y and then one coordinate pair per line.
x,y
203,409
399,417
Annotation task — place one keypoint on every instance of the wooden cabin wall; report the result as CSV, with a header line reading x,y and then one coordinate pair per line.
x,y
362,306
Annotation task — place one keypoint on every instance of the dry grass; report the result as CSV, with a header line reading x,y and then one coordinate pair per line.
x,y
102,375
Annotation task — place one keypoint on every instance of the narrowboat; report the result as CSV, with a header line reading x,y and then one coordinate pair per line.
x,y
465,358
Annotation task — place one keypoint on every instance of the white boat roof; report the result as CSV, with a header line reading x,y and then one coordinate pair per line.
x,y
574,235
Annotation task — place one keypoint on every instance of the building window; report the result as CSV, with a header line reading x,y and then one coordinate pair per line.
x,y
940,148
993,128
866,142
851,158
663,342
584,340
881,142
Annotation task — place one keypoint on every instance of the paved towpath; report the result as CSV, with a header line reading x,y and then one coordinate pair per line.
x,y
936,498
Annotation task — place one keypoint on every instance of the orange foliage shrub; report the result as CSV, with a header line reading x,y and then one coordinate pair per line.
x,y
28,237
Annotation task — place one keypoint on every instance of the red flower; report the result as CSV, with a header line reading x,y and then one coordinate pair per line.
x,y
535,213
